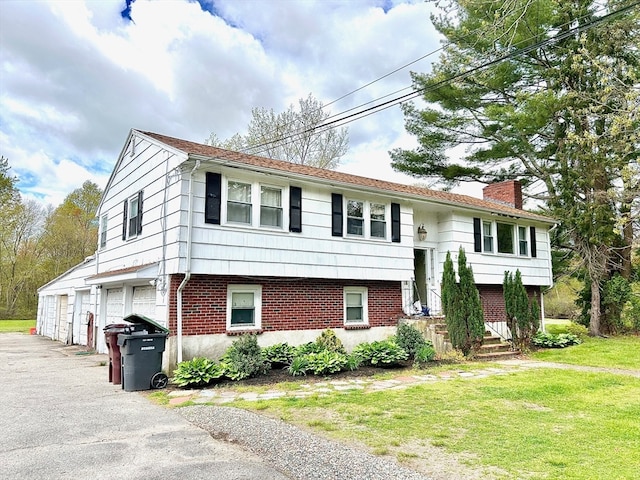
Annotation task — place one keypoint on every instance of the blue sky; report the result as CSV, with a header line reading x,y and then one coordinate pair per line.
x,y
75,76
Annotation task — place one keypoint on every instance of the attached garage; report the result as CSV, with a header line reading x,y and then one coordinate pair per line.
x,y
144,301
114,306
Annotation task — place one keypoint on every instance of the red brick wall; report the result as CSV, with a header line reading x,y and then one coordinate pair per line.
x,y
493,301
287,304
509,192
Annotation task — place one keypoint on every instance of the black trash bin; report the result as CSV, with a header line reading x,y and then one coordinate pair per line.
x,y
141,349
111,333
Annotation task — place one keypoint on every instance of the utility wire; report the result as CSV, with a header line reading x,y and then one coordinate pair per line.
x,y
343,120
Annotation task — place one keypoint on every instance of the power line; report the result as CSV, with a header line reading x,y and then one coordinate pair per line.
x,y
343,120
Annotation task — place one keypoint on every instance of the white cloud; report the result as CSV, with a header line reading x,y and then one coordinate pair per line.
x,y
76,76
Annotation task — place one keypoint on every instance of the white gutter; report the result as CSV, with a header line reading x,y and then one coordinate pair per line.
x,y
187,274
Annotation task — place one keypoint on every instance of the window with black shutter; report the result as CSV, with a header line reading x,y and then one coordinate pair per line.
x,y
395,222
532,236
213,193
295,209
336,215
477,235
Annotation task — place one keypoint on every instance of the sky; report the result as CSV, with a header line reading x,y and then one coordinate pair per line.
x,y
76,76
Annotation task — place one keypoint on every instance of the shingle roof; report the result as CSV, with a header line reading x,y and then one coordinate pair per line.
x,y
192,148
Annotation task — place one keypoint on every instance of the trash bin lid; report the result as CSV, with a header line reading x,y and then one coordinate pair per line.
x,y
141,319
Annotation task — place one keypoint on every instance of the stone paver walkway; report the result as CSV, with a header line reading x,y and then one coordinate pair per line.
x,y
226,395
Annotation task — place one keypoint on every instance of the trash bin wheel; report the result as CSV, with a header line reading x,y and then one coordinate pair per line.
x,y
159,380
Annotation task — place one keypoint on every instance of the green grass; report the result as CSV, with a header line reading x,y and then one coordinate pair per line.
x,y
19,326
613,352
531,424
535,424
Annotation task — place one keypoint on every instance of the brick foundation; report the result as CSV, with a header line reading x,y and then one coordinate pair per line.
x,y
492,301
287,304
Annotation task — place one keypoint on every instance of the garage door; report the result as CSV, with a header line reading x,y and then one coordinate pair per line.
x,y
144,301
115,297
63,303
80,319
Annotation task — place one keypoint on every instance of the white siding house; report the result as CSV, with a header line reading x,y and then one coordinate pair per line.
x,y
213,243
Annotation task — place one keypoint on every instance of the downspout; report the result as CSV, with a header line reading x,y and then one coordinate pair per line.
x,y
187,274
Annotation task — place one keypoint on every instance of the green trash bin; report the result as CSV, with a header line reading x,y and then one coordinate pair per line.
x,y
141,351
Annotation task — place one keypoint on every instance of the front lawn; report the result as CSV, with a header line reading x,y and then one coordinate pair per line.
x,y
613,352
534,424
19,326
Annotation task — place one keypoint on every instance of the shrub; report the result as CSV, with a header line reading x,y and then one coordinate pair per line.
x,y
326,362
197,372
298,366
578,330
279,355
310,347
384,353
550,340
329,341
410,338
243,359
424,355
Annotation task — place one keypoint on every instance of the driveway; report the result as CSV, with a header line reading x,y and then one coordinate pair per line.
x,y
60,418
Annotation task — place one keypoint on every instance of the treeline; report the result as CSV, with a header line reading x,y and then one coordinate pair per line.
x,y
38,243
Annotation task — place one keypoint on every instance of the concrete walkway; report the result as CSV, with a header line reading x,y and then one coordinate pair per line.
x,y
62,419
217,395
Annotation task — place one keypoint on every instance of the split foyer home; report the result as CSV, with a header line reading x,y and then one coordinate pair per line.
x,y
213,243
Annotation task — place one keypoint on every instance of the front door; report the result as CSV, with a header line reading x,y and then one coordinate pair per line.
x,y
426,281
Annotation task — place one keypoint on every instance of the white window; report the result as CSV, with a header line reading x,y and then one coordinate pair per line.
x,y
487,237
522,241
378,220
355,218
505,237
103,231
355,306
135,216
244,307
239,202
270,207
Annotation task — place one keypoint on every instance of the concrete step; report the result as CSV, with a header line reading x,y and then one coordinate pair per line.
x,y
498,355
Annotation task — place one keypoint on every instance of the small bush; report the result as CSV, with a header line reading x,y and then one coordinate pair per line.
x,y
198,372
550,340
299,366
326,362
384,353
279,355
578,330
243,359
329,341
310,347
424,355
410,339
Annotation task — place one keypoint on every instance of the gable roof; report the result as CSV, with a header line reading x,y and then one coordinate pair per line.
x,y
196,150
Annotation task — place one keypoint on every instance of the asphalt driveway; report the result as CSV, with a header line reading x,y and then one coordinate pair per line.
x,y
60,418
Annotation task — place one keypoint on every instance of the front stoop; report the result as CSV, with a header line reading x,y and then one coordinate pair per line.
x,y
494,348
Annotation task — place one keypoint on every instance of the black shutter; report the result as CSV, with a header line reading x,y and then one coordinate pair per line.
x,y
295,209
477,235
213,193
139,226
124,220
395,222
336,215
534,247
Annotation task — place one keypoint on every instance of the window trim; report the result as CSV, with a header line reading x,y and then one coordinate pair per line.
x,y
362,219
523,241
129,221
480,238
104,220
279,208
512,227
250,204
256,290
364,293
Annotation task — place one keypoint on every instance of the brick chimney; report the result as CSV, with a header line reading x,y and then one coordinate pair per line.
x,y
507,193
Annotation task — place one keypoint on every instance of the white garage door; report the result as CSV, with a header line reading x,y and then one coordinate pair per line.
x,y
144,301
63,304
115,297
80,320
